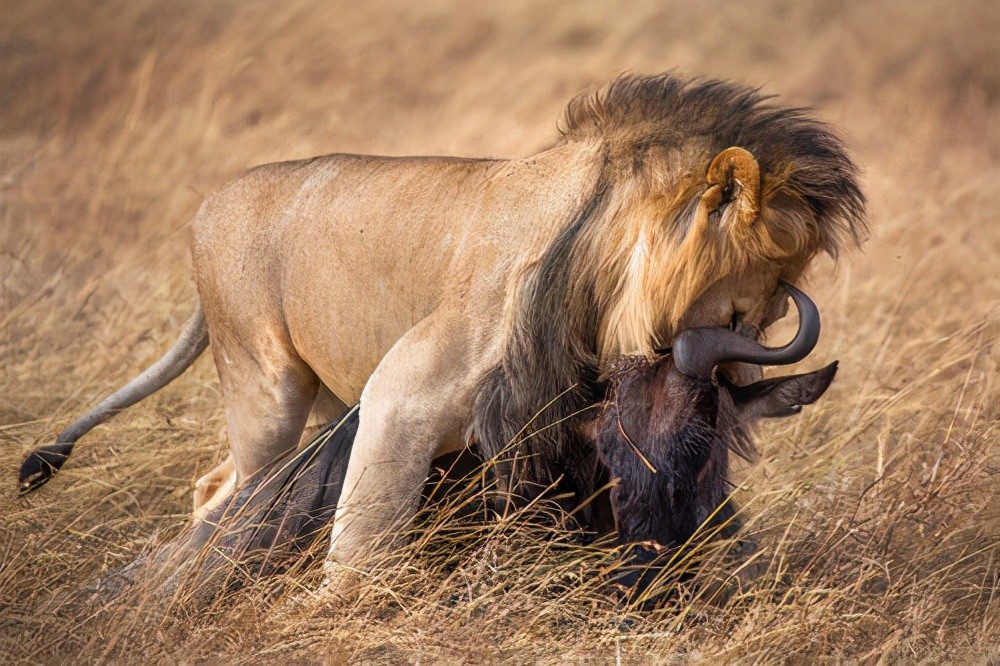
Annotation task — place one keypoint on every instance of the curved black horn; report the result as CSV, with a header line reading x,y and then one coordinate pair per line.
x,y
697,351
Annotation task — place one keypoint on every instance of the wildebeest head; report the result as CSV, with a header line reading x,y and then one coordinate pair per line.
x,y
667,427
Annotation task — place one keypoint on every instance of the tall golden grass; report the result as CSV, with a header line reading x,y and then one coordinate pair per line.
x,y
876,510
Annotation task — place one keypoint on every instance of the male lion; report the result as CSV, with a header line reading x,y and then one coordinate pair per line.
x,y
457,297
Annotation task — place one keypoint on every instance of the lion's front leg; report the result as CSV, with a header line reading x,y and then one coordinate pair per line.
x,y
415,406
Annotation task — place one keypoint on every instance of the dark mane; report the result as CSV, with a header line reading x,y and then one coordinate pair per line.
x,y
634,112
525,406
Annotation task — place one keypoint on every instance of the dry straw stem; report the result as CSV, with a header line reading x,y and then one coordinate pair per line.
x,y
875,510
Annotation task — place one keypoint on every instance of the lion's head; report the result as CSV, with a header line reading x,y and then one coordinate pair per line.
x,y
712,195
708,195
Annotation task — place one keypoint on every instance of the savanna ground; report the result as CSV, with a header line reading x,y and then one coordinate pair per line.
x,y
875,510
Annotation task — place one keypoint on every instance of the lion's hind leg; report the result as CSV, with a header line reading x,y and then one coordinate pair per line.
x,y
268,392
214,487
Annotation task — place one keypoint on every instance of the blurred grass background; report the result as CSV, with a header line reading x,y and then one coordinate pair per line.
x,y
876,508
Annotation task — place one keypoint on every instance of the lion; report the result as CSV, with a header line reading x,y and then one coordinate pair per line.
x,y
458,298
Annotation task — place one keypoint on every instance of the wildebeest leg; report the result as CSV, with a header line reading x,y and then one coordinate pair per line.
x,y
411,411
266,527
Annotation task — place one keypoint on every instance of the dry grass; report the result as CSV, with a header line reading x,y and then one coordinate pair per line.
x,y
876,510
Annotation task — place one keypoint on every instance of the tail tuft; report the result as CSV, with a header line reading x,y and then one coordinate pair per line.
x,y
41,464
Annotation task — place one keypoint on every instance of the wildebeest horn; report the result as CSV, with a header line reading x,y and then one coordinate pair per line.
x,y
697,351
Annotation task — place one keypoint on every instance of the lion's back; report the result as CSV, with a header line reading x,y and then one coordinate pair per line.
x,y
343,252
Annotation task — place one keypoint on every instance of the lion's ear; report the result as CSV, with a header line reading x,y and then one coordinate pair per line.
x,y
734,179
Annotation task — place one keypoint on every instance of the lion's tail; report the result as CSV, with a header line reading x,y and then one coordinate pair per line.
x,y
43,462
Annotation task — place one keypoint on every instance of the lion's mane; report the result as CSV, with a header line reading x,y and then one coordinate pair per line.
x,y
631,259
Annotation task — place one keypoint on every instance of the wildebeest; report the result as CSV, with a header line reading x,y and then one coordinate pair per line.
x,y
492,284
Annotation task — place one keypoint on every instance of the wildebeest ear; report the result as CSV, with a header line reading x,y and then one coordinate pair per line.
x,y
782,396
734,179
